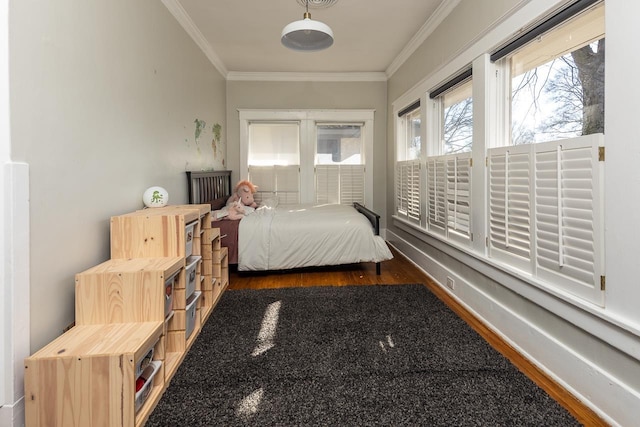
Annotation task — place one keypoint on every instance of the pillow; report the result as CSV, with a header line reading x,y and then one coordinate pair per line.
x,y
269,203
218,204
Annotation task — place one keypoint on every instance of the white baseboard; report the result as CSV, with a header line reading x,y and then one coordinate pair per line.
x,y
12,415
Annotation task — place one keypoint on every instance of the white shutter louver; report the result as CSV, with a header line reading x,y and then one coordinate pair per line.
x,y
340,184
288,184
510,188
408,185
569,214
545,212
282,182
402,184
458,168
327,184
449,196
264,178
437,194
351,184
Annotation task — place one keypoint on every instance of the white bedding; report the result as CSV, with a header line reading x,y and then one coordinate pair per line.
x,y
292,236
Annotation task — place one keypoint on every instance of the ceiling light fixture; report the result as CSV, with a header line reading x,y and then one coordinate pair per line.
x,y
306,34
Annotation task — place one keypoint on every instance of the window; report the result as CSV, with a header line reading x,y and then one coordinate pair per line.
x,y
557,81
274,160
457,129
448,186
541,151
339,163
274,144
410,147
409,153
545,212
308,156
449,196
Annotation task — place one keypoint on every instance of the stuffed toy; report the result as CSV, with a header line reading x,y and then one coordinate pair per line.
x,y
243,194
240,203
235,210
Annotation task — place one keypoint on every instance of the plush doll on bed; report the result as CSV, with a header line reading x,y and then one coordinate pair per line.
x,y
240,203
243,193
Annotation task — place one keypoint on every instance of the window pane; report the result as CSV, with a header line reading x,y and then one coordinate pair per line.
x,y
557,87
274,144
458,119
339,144
409,144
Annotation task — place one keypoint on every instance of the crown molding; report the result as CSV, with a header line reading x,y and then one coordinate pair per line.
x,y
178,12
425,31
306,77
176,9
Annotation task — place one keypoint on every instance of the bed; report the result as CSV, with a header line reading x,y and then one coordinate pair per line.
x,y
279,237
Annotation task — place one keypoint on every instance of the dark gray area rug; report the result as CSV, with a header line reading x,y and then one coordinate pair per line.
x,y
347,356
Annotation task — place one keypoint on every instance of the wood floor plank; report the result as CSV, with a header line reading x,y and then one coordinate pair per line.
x,y
400,271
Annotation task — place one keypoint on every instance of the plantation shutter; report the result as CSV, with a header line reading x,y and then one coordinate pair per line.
x,y
282,182
351,184
569,220
288,184
546,212
510,204
327,184
437,194
402,188
340,184
458,170
265,179
408,189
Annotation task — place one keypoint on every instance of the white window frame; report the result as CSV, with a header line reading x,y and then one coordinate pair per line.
x,y
491,108
308,120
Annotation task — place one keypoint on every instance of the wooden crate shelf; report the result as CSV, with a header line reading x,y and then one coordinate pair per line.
x,y
128,290
87,376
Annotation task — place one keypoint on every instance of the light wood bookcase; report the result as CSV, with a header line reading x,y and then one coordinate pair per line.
x,y
87,375
135,290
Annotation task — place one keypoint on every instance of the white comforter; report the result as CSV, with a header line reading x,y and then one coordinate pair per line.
x,y
291,236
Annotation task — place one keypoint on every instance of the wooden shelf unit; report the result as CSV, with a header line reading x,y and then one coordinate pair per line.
x,y
134,290
167,231
87,376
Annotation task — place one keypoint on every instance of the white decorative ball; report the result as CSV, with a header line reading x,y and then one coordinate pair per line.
x,y
155,197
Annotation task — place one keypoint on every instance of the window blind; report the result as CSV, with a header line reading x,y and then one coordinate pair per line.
x,y
545,212
449,196
541,28
510,189
281,182
340,184
437,194
459,195
408,190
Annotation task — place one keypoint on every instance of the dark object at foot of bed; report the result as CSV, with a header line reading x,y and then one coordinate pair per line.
x,y
374,219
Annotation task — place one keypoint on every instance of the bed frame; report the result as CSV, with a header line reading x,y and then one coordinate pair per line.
x,y
214,187
209,187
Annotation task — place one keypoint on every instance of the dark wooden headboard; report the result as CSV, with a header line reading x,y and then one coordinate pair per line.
x,y
212,187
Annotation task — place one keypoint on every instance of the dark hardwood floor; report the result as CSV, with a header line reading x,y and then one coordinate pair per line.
x,y
399,271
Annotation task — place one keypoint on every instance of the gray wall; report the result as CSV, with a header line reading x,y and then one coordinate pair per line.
x,y
104,95
311,95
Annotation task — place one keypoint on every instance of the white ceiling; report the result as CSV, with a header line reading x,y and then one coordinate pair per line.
x,y
371,36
